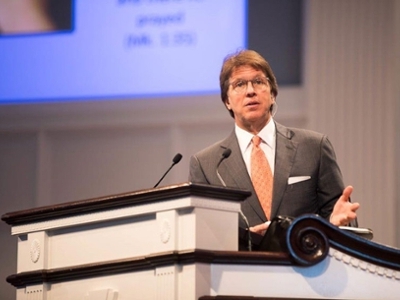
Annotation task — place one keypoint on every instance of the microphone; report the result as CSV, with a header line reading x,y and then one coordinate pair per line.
x,y
177,158
249,241
227,152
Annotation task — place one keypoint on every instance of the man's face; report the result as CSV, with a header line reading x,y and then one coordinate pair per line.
x,y
251,107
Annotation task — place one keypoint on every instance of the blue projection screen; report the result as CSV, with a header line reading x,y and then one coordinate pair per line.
x,y
123,48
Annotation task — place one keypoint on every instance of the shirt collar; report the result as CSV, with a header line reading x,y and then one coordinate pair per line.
x,y
267,134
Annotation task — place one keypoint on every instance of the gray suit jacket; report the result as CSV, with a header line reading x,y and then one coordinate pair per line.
x,y
298,153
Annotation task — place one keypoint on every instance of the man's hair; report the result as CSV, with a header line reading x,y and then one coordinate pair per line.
x,y
245,58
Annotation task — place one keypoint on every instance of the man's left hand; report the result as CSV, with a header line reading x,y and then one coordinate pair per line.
x,y
344,211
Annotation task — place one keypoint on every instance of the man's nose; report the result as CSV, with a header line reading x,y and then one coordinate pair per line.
x,y
250,88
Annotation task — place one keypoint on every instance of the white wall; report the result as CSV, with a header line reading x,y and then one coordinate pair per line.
x,y
53,153
351,84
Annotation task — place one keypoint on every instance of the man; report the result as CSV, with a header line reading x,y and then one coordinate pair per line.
x,y
302,173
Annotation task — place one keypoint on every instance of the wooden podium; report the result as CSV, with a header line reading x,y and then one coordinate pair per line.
x,y
181,242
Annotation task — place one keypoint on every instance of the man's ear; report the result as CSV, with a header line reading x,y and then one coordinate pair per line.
x,y
227,104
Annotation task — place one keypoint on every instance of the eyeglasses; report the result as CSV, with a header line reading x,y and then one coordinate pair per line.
x,y
259,84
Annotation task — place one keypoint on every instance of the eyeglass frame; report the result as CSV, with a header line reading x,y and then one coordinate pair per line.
x,y
246,86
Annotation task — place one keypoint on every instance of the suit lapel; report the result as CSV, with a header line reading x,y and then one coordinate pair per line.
x,y
234,167
284,159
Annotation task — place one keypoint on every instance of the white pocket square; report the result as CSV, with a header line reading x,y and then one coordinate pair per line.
x,y
296,179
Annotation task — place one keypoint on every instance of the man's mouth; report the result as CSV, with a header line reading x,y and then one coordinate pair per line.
x,y
252,103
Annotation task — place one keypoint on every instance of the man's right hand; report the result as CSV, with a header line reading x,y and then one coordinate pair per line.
x,y
261,228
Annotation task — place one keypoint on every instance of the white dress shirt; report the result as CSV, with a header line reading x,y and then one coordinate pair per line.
x,y
268,144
